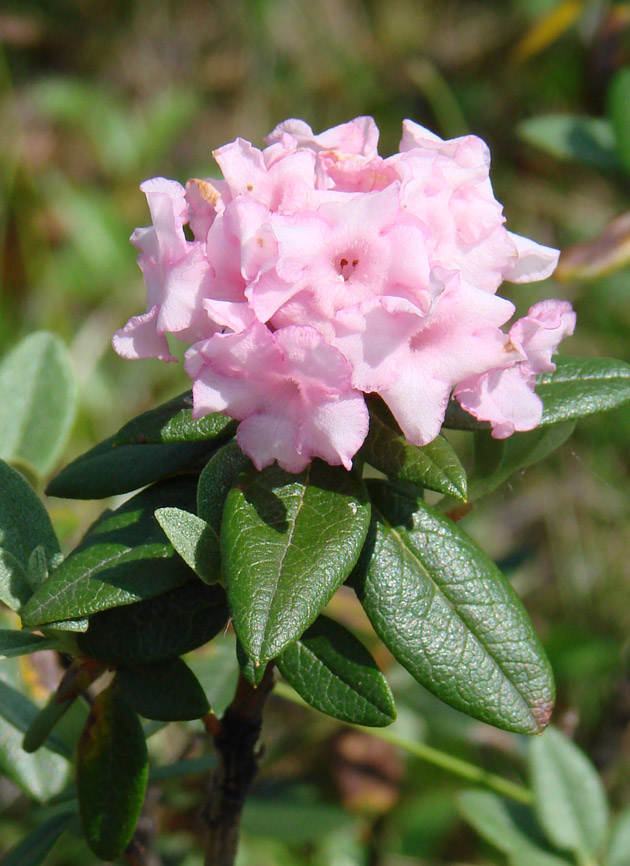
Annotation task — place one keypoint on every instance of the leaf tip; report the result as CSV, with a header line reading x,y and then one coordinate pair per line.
x,y
542,715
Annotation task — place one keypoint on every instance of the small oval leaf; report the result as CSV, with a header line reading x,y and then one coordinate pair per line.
x,y
173,422
21,643
333,672
570,800
288,542
435,466
112,773
194,540
38,394
165,691
449,616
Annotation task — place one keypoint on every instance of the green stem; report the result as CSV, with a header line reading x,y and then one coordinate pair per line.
x,y
464,769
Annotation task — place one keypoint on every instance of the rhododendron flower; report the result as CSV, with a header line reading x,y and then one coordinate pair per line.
x,y
319,271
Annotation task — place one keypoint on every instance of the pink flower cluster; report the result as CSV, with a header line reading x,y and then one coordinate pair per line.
x,y
318,271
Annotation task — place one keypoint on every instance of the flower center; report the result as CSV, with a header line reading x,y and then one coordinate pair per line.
x,y
345,266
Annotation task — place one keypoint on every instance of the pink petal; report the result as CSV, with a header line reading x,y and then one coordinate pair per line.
x,y
140,339
533,261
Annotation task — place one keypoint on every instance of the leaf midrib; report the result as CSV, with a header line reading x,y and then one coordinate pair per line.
x,y
450,604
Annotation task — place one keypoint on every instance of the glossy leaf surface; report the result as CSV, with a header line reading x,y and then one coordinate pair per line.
x,y
173,422
165,691
112,772
288,542
449,616
107,471
160,628
215,483
580,387
569,796
334,672
435,466
38,398
125,557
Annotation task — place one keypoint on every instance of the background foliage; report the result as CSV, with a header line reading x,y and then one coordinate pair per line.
x,y
96,97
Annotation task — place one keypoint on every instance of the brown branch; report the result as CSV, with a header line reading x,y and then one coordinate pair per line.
x,y
235,739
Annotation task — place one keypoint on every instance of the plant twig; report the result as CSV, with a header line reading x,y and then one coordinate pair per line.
x,y
235,738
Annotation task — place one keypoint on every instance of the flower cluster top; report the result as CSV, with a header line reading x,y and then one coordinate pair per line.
x,y
318,271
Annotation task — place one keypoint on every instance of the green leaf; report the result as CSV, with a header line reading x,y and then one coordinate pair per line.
x,y
498,459
435,466
528,856
37,568
38,397
618,101
125,557
20,712
618,853
160,628
586,140
253,673
173,422
166,691
35,847
288,542
107,471
24,526
112,772
215,481
457,418
194,540
40,776
21,643
449,616
580,387
570,800
333,672
509,826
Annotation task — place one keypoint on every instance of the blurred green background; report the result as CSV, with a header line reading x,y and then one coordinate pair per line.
x,y
95,97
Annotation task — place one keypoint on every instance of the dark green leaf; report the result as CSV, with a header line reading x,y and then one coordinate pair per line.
x,y
580,387
165,691
124,558
112,772
194,540
586,140
435,466
215,482
288,542
449,616
20,712
42,725
107,471
160,628
38,398
497,459
173,422
38,569
35,847
334,673
618,99
457,418
21,643
569,797
253,673
24,526
217,670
